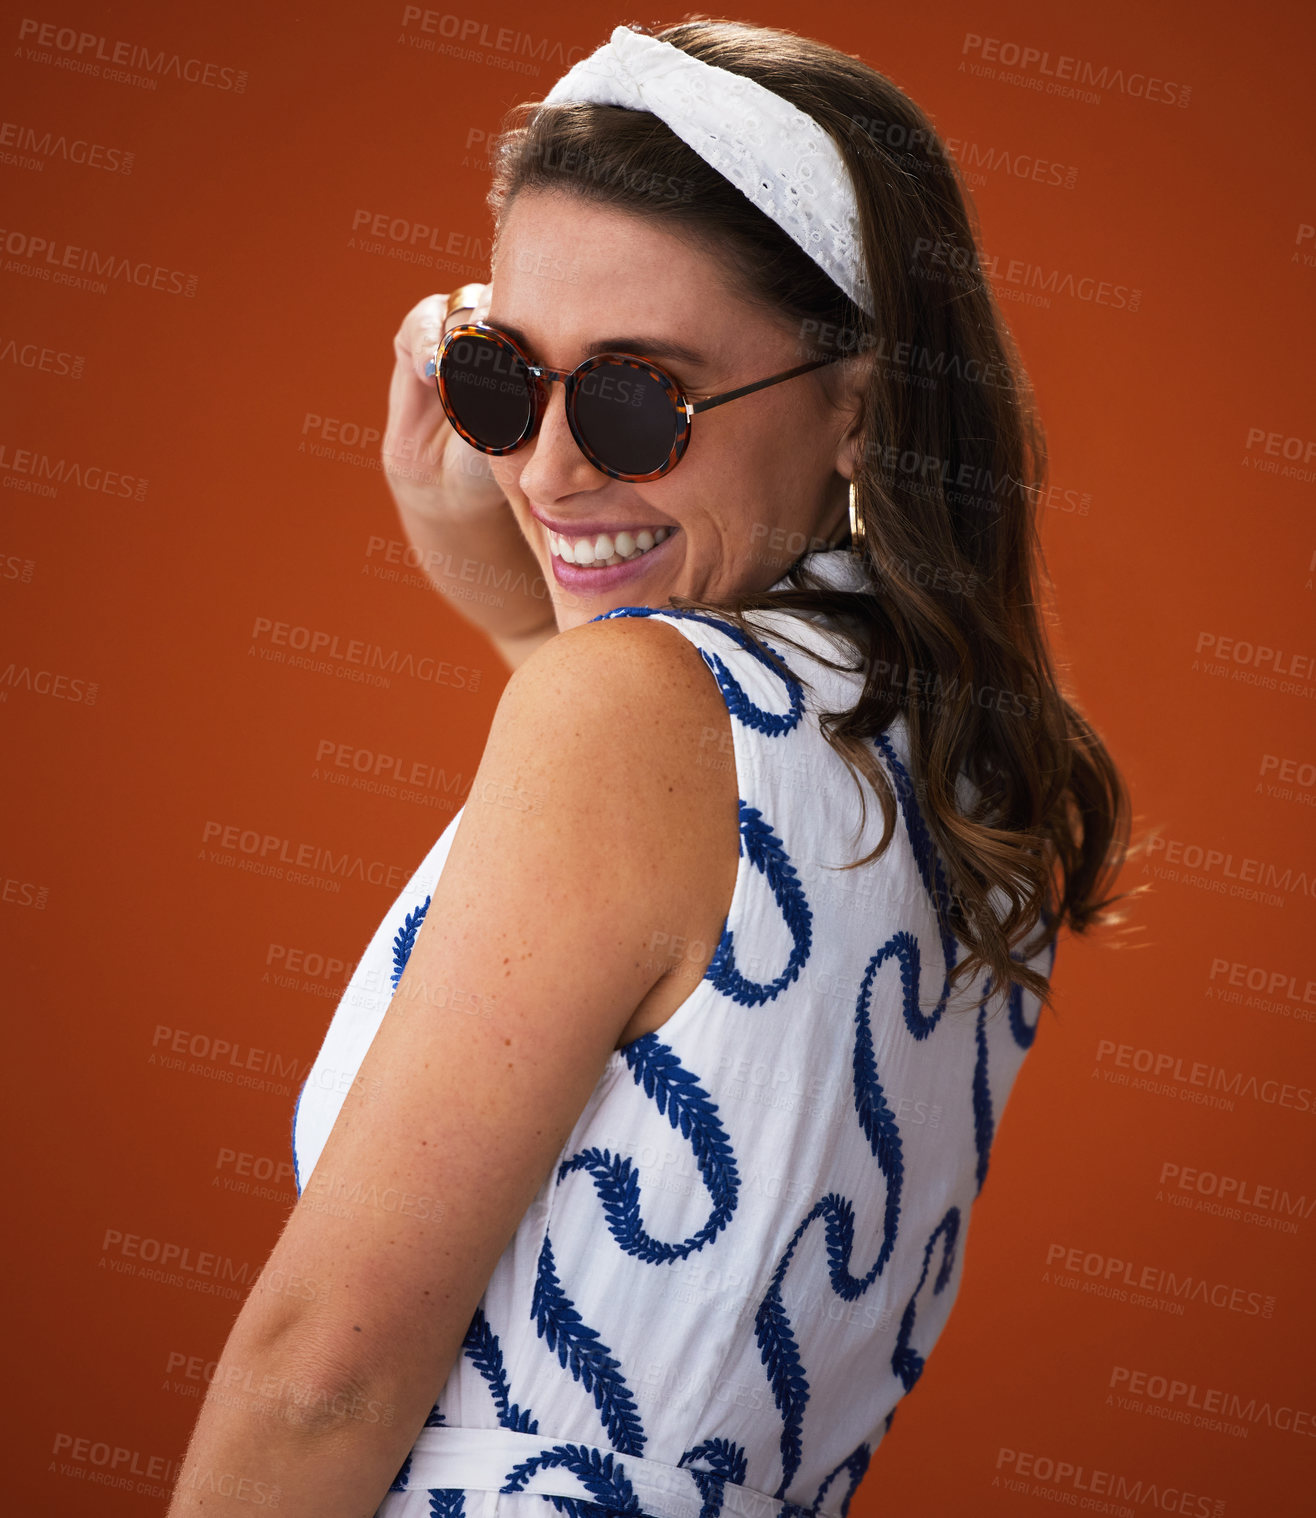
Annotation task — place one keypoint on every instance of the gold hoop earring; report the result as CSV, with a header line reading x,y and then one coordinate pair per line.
x,y
856,521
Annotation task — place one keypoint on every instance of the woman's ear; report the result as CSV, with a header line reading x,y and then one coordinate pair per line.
x,y
852,376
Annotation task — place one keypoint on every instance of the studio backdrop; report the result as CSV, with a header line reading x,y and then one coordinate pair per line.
x,y
236,715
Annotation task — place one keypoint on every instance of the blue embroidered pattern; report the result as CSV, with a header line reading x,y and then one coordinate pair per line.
x,y
984,1124
769,1193
1023,1031
675,1091
781,1360
723,1462
767,854
600,1473
875,1117
929,867
482,1348
906,1361
590,1361
854,1465
405,940
744,710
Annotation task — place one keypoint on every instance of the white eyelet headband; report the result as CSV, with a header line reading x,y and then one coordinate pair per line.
x,y
772,152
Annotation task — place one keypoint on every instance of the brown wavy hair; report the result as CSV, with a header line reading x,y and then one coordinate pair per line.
x,y
951,467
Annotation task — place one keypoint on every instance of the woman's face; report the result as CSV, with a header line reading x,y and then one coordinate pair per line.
x,y
759,481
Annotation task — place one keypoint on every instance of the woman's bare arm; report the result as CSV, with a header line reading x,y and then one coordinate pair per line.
x,y
450,506
482,569
537,946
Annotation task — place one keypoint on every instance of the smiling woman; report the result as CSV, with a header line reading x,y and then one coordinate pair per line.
x,y
761,474
636,1167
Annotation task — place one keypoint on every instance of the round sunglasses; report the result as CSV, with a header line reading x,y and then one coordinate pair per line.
x,y
629,417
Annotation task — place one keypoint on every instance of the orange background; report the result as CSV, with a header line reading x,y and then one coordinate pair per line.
x,y
1176,519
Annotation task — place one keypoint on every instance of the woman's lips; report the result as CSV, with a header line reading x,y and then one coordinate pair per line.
x,y
580,578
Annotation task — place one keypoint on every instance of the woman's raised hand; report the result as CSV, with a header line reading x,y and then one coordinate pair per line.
x,y
431,470
461,530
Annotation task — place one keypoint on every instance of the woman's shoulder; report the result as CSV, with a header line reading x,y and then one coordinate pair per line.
x,y
603,741
683,683
624,664
765,661
619,710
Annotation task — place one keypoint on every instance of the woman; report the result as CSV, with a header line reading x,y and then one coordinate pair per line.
x,y
636,1167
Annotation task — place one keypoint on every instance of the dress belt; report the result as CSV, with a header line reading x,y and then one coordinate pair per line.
x,y
487,1459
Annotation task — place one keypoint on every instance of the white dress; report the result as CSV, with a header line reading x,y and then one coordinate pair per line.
x,y
755,1232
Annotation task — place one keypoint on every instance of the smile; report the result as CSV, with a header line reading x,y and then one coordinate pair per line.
x,y
603,550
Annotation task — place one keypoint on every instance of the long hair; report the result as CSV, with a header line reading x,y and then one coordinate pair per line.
x,y
951,466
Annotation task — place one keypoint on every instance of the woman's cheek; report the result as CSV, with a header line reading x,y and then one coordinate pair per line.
x,y
505,476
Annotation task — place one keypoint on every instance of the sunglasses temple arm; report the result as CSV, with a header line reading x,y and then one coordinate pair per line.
x,y
776,379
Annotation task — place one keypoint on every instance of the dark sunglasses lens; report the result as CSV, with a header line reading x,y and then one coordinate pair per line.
x,y
626,417
486,390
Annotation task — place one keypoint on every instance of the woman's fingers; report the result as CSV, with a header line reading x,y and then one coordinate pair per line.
x,y
420,448
419,335
482,304
425,324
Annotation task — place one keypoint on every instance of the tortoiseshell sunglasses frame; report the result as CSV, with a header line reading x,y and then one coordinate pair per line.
x,y
540,376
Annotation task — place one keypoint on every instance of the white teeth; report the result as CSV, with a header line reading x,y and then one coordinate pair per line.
x,y
604,550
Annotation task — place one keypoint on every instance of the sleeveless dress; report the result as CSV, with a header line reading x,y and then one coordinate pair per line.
x,y
755,1232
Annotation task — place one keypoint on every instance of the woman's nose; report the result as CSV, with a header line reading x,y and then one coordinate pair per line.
x,y
554,465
